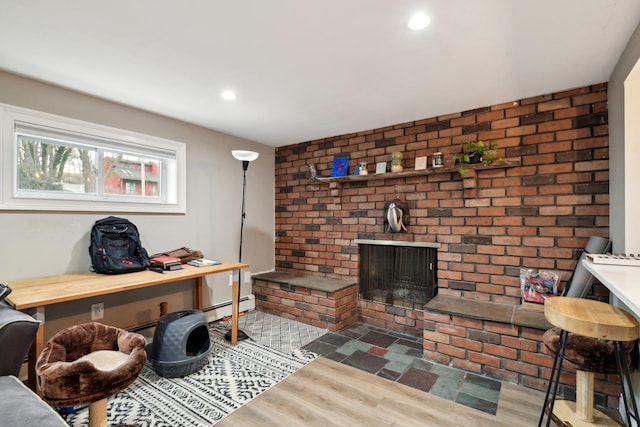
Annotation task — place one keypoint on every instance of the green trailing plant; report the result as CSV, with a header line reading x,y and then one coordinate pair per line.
x,y
476,152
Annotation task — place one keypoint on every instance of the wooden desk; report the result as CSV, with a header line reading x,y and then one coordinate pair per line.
x,y
37,293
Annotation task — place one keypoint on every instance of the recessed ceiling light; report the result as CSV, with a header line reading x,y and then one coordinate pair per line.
x,y
419,21
229,95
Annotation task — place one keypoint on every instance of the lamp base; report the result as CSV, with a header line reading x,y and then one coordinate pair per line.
x,y
241,336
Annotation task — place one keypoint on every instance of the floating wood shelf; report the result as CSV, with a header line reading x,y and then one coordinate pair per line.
x,y
469,183
507,163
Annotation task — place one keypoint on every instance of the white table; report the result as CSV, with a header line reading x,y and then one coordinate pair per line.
x,y
623,282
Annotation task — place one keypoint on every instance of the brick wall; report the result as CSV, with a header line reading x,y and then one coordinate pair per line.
x,y
537,215
330,310
505,352
386,316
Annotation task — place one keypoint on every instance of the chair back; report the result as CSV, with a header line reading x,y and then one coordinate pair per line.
x,y
581,280
17,331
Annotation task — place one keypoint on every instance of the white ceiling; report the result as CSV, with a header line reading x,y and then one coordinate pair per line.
x,y
311,69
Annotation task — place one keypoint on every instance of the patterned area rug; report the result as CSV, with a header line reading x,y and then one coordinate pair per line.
x,y
274,331
233,376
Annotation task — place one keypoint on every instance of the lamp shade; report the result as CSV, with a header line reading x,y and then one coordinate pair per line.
x,y
243,155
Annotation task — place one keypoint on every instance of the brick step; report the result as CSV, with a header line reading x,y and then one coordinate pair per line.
x,y
314,300
317,283
486,310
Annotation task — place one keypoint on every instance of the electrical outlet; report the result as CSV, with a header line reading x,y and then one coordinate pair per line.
x,y
231,279
247,276
97,311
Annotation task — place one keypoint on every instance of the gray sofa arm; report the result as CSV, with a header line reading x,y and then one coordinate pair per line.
x,y
20,407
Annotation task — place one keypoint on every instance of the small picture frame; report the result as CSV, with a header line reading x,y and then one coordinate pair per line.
x,y
381,167
421,163
340,166
438,160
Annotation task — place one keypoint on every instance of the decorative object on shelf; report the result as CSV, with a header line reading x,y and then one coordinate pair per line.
x,y
381,167
363,168
538,285
396,161
438,160
396,216
421,163
476,152
340,166
356,170
245,157
313,172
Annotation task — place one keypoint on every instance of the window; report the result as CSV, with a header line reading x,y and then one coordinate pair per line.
x,y
55,163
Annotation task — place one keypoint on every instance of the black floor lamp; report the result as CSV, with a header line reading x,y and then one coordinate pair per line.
x,y
245,157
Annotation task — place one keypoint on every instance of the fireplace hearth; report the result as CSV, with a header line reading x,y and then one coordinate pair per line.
x,y
402,274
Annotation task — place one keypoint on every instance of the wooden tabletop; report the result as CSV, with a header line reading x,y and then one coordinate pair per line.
x,y
42,291
591,318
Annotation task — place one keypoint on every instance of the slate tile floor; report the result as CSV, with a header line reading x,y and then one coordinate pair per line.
x,y
387,354
399,358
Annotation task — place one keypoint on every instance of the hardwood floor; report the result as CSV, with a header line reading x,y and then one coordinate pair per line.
x,y
328,393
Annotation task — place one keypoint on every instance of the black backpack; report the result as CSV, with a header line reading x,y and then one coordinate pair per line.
x,y
116,247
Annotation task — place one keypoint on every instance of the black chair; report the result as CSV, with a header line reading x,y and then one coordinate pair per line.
x,y
17,331
581,280
19,406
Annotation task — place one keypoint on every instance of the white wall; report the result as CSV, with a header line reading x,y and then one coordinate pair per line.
x,y
631,155
34,244
624,146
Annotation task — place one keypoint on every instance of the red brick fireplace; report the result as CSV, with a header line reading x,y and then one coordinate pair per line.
x,y
538,214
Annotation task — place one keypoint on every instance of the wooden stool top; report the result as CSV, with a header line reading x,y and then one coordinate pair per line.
x,y
591,318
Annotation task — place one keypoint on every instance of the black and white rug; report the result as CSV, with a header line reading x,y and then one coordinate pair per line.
x,y
233,376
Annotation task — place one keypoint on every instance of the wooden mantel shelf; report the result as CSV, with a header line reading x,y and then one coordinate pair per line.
x,y
469,179
507,163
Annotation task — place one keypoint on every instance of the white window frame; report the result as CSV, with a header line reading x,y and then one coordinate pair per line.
x,y
104,137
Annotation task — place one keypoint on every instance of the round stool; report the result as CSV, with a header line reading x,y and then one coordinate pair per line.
x,y
577,341
86,364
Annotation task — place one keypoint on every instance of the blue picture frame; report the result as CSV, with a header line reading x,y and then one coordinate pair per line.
x,y
340,166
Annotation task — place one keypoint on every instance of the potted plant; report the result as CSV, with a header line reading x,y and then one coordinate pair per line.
x,y
476,152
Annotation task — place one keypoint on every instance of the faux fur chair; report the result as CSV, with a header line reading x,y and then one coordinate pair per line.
x,y
86,364
585,355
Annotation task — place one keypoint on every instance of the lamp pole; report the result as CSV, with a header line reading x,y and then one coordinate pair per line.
x,y
245,166
245,157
